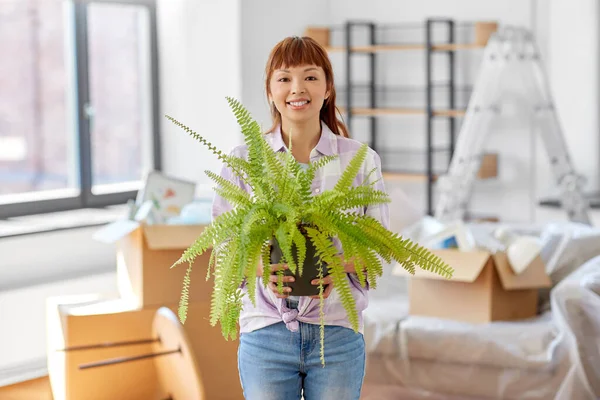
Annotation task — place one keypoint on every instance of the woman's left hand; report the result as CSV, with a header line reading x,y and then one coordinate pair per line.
x,y
327,283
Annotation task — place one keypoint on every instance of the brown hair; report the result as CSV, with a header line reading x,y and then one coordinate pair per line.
x,y
292,52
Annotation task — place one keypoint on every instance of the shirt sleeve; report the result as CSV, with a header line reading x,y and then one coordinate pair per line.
x,y
221,205
378,211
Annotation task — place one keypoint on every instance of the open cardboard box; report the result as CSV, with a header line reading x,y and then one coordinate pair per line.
x,y
483,289
75,321
144,260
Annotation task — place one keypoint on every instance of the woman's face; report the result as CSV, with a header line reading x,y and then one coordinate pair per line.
x,y
298,92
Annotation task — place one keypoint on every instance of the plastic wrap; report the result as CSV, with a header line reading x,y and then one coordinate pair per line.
x,y
555,355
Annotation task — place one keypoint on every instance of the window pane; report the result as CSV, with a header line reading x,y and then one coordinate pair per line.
x,y
36,133
120,94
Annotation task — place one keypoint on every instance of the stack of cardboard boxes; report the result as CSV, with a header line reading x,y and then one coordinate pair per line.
x,y
146,283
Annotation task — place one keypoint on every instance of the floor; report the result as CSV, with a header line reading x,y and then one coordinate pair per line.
x,y
37,389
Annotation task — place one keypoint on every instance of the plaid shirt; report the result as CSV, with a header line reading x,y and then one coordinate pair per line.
x,y
269,309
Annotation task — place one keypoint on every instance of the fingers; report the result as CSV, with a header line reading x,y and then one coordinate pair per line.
x,y
286,290
284,279
278,267
326,281
328,286
326,292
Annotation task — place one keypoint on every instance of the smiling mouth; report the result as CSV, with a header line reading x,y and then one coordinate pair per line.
x,y
298,103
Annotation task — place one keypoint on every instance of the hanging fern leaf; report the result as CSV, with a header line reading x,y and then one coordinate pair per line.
x,y
280,206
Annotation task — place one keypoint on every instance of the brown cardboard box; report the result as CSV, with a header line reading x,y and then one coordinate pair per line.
x,y
319,34
86,320
483,288
483,32
144,260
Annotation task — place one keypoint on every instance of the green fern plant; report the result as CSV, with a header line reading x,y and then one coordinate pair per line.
x,y
283,207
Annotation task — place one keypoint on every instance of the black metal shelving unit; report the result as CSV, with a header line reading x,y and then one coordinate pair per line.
x,y
430,23
430,85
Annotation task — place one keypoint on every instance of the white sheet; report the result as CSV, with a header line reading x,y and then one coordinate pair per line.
x,y
466,380
529,344
558,352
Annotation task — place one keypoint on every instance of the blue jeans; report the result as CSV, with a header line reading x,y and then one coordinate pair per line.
x,y
277,364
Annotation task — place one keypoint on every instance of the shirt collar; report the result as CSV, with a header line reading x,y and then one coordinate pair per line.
x,y
327,144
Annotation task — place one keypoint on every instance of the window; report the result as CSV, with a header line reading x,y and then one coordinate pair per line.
x,y
78,103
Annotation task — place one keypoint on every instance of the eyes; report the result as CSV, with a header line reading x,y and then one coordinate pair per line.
x,y
308,78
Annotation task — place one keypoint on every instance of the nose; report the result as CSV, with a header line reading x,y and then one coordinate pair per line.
x,y
298,87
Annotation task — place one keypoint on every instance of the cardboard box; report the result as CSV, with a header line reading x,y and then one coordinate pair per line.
x,y
144,260
72,321
88,320
319,34
483,288
483,32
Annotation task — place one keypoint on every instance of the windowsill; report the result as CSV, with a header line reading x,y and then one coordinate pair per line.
x,y
57,221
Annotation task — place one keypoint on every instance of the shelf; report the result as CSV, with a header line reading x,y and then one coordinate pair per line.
x,y
407,176
487,170
404,47
381,88
369,112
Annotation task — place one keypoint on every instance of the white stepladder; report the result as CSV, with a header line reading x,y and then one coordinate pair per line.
x,y
511,53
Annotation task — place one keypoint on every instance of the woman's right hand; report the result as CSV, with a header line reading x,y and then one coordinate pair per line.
x,y
273,279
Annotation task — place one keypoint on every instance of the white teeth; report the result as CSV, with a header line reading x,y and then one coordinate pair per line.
x,y
298,103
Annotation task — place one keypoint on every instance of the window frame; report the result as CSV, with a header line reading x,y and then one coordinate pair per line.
x,y
86,198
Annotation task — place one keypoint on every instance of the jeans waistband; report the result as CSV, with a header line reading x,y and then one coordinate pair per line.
x,y
291,303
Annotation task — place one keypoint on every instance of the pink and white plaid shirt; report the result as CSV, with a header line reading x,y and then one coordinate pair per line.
x,y
269,309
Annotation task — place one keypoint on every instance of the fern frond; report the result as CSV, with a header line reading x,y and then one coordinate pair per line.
x,y
354,197
327,252
285,244
352,169
252,135
250,272
225,270
211,264
185,295
305,178
350,251
220,155
321,314
234,194
222,229
426,260
266,262
299,242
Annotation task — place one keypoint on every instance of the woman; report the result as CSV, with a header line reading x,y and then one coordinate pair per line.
x,y
278,356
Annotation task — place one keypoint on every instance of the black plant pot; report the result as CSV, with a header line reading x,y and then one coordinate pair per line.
x,y
302,284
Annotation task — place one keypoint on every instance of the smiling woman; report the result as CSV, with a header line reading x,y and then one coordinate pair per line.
x,y
300,67
277,355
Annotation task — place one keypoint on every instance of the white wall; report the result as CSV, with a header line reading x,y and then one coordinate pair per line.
x,y
23,322
200,64
573,66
